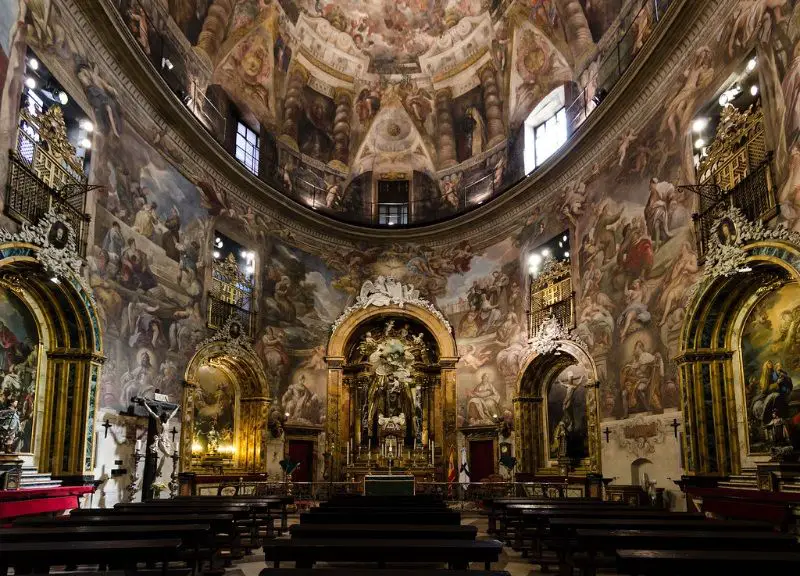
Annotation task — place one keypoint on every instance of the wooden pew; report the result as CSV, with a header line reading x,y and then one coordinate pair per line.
x,y
495,507
377,572
194,537
372,531
39,557
705,562
448,518
272,502
456,553
604,543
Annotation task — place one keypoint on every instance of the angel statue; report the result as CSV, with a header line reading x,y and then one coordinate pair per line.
x,y
160,440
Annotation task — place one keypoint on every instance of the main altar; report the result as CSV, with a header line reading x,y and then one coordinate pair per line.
x,y
391,387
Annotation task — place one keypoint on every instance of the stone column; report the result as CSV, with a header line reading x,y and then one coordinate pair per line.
x,y
293,103
214,27
341,127
493,105
446,140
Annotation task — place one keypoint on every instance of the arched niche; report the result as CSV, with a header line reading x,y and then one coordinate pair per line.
x,y
558,388
717,383
225,389
56,392
346,335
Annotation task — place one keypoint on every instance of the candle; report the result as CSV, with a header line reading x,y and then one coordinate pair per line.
x,y
138,445
433,452
348,454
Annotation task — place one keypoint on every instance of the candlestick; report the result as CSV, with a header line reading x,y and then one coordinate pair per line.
x,y
138,445
433,452
415,444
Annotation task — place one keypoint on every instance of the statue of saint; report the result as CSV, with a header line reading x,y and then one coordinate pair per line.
x,y
9,427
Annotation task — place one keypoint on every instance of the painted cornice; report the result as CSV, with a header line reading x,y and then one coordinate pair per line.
x,y
635,97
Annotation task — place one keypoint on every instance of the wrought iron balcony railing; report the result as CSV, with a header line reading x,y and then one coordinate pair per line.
x,y
219,311
44,173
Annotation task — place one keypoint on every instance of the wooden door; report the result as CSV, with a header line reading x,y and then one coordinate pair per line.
x,y
481,459
302,451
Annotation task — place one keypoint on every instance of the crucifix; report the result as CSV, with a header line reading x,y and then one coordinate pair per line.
x,y
158,414
173,433
607,432
675,424
106,424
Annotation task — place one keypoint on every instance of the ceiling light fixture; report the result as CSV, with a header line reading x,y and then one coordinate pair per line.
x,y
86,125
33,63
699,125
85,143
30,83
751,64
63,98
754,90
699,143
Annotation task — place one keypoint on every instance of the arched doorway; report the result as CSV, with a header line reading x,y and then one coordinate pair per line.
x,y
225,409
738,358
50,364
556,413
351,384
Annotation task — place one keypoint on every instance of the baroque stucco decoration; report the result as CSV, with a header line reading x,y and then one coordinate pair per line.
x,y
548,336
387,292
232,336
58,250
725,248
640,436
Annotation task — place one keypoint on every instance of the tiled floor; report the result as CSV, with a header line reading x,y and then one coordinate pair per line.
x,y
509,560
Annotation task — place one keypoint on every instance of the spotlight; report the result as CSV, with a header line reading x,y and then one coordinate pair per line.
x,y
286,414
699,143
33,63
546,252
166,63
63,98
55,280
87,125
85,143
30,83
723,99
699,125
566,254
560,244
215,254
754,90
565,238
751,64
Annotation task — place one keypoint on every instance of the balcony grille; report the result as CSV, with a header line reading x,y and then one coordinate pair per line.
x,y
551,295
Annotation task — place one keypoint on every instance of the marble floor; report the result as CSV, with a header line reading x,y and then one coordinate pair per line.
x,y
509,560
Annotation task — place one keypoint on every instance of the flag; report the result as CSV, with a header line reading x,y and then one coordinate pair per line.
x,y
463,473
452,475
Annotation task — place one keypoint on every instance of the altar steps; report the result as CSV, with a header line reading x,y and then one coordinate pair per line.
x,y
32,478
747,480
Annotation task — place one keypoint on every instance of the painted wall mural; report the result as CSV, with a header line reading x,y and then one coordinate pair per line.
x,y
19,363
770,349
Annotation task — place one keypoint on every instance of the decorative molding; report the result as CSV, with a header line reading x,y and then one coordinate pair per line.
x,y
729,235
386,292
640,436
549,334
232,336
58,250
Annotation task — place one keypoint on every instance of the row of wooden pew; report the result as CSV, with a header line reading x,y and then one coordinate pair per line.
x,y
187,535
588,535
384,531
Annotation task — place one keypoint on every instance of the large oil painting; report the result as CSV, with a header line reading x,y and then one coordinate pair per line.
x,y
215,410
19,359
566,412
771,363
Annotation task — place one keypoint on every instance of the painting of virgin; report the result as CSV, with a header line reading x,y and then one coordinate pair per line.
x,y
19,346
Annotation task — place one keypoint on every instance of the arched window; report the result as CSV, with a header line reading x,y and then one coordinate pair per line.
x,y
545,129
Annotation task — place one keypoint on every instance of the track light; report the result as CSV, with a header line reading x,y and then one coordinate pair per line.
x,y
33,63
30,83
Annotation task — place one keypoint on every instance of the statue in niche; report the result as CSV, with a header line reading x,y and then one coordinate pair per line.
x,y
475,131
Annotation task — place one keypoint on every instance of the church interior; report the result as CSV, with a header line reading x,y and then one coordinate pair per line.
x,y
507,286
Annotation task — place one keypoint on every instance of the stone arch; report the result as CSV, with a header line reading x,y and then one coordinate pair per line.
x,y
70,340
246,372
445,396
709,362
536,374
